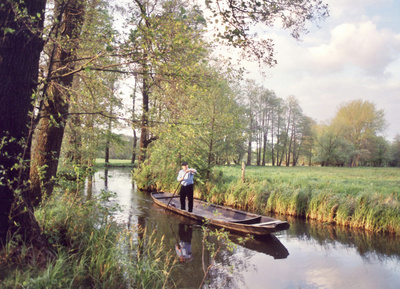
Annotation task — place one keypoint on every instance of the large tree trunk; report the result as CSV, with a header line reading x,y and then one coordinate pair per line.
x,y
272,142
143,143
55,105
108,139
20,48
135,139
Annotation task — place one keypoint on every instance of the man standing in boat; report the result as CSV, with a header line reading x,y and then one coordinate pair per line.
x,y
185,176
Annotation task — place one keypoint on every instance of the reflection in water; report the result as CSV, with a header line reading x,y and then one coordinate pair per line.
x,y
366,244
106,178
269,245
183,247
89,187
321,256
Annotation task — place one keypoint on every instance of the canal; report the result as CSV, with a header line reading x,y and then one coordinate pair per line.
x,y
308,255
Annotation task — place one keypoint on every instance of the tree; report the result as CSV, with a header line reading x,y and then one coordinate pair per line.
x,y
252,92
236,18
135,138
294,117
261,106
21,25
195,127
394,152
91,96
54,105
219,115
358,122
332,149
306,150
378,152
276,116
164,36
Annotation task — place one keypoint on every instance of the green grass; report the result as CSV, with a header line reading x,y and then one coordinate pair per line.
x,y
92,251
114,163
365,198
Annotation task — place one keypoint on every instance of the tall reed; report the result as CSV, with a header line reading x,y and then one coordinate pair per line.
x,y
92,251
365,198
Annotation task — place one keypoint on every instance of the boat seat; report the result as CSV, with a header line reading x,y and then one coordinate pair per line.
x,y
247,221
267,223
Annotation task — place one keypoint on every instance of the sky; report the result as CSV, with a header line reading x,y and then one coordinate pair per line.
x,y
353,54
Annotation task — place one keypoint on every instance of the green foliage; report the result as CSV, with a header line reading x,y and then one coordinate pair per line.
x,y
120,146
92,251
394,152
235,20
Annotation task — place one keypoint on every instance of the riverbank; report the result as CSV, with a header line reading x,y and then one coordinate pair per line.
x,y
100,163
91,250
366,198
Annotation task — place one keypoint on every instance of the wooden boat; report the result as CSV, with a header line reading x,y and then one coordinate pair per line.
x,y
219,216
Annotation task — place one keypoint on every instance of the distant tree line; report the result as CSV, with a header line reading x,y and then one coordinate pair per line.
x,y
275,131
279,133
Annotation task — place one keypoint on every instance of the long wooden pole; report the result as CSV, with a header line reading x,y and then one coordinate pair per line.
x,y
175,192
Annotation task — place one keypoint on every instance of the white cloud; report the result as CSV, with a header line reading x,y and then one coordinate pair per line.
x,y
354,55
360,45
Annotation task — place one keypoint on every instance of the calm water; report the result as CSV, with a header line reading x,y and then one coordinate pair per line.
x,y
305,256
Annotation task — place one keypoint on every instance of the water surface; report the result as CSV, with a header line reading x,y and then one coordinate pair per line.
x,y
308,255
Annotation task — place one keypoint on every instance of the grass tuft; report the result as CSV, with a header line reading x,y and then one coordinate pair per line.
x,y
92,251
365,198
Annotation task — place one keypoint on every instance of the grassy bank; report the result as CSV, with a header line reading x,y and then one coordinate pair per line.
x,y
91,251
365,198
114,163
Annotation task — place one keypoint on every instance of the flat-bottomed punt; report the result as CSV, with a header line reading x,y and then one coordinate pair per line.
x,y
224,217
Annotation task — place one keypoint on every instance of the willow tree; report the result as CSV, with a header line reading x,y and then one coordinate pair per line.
x,y
359,122
394,152
164,34
331,148
220,117
198,127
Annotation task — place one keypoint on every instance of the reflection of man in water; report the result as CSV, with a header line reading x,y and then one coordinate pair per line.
x,y
184,247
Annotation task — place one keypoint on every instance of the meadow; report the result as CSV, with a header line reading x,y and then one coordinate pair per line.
x,y
362,197
114,163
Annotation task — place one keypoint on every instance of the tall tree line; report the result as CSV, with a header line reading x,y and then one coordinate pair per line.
x,y
279,133
51,75
277,127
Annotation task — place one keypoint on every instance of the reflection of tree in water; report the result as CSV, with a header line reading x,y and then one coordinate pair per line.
x,y
369,245
106,179
224,272
228,264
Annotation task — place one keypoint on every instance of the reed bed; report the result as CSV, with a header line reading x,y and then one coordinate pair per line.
x,y
91,249
365,198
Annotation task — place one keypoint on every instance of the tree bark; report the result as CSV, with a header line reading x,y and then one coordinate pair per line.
x,y
143,143
55,104
20,48
249,147
133,127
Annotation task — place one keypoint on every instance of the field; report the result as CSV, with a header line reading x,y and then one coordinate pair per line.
x,y
357,197
114,163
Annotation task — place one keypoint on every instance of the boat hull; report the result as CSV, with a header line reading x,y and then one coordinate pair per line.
x,y
234,220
